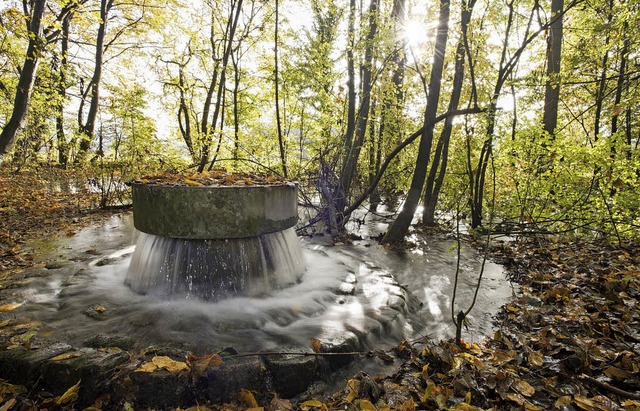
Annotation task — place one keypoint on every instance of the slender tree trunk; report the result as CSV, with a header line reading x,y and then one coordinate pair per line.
x,y
87,130
602,82
400,226
26,81
353,151
235,61
184,119
441,156
63,146
554,56
622,73
221,86
283,157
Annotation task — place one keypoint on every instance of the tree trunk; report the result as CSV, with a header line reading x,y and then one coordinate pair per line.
x,y
63,146
400,226
26,81
602,82
353,150
554,56
283,157
441,157
88,128
221,86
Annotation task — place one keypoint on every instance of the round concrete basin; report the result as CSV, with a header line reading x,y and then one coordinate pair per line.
x,y
214,212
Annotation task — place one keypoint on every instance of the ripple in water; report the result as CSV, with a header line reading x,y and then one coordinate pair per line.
x,y
362,291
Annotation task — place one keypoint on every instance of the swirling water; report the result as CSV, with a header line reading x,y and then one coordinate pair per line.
x,y
84,294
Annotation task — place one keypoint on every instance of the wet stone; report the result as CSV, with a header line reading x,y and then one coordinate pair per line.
x,y
223,383
291,375
106,341
23,366
93,368
160,389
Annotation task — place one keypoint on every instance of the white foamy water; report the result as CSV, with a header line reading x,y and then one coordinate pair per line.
x,y
90,297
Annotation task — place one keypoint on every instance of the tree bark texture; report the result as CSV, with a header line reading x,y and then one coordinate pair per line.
x,y
26,81
398,229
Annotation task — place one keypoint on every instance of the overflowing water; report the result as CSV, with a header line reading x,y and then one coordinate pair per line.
x,y
362,290
215,269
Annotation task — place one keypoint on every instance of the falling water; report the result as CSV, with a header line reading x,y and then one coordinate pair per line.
x,y
215,269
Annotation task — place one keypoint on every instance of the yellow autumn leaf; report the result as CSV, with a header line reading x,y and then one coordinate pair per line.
x,y
65,356
4,323
563,401
9,307
408,405
463,406
25,326
517,398
192,183
247,398
584,403
425,372
524,388
70,395
311,404
631,405
366,405
535,359
354,388
147,367
168,364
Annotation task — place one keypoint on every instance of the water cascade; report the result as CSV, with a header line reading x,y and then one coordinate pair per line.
x,y
213,242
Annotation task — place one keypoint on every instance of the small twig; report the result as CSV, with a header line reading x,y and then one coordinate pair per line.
x,y
316,354
610,388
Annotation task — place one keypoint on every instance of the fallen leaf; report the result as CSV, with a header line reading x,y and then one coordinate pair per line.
x,y
535,359
66,356
524,388
584,403
199,365
408,405
31,324
8,405
192,183
463,406
70,395
147,367
278,404
366,405
9,307
169,364
563,401
247,398
307,405
316,345
4,323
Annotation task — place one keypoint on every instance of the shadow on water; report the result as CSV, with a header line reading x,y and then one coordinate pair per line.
x,y
363,290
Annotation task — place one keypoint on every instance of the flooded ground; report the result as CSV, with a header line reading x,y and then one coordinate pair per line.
x,y
82,294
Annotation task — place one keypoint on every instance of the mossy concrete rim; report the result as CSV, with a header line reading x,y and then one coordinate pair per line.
x,y
214,212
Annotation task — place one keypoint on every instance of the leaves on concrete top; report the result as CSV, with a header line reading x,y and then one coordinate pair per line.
x,y
212,178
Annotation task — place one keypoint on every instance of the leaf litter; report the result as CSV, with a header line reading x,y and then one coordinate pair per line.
x,y
569,340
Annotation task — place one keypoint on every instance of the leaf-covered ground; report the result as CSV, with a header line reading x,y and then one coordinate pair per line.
x,y
569,341
35,204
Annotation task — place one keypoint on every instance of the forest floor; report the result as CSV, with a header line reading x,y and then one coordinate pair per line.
x,y
570,340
